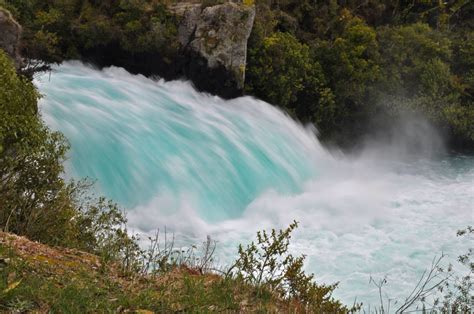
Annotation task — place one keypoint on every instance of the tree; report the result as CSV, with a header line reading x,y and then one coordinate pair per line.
x,y
416,62
351,61
282,71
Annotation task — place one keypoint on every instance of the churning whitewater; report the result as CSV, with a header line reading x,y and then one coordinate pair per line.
x,y
201,166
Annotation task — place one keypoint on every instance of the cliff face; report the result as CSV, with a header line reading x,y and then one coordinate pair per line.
x,y
10,34
214,40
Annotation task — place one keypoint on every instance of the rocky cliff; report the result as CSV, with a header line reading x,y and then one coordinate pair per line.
x,y
10,34
214,40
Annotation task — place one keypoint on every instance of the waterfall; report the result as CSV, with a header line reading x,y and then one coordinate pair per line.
x,y
202,165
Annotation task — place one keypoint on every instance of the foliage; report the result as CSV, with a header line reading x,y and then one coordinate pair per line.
x,y
30,162
409,53
350,61
267,264
36,201
379,59
416,60
35,277
59,30
282,72
457,290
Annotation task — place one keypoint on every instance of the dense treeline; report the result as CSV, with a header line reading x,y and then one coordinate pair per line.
x,y
344,65
347,65
139,35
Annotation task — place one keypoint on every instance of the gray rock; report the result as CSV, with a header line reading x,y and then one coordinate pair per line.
x,y
190,15
10,35
219,34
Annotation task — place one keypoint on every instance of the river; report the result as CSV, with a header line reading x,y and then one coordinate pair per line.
x,y
200,165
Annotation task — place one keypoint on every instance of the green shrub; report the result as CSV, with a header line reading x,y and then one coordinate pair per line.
x,y
30,158
351,60
457,290
267,265
35,200
282,72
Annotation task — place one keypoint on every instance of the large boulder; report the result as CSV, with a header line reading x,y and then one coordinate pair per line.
x,y
215,41
10,35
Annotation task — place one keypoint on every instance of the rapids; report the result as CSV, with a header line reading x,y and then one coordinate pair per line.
x,y
201,166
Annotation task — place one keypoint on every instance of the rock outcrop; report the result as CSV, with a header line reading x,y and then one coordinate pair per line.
x,y
215,40
10,34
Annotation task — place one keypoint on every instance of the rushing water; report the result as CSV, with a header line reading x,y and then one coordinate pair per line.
x,y
201,165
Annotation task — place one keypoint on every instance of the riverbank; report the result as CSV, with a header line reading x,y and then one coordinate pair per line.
x,y
38,278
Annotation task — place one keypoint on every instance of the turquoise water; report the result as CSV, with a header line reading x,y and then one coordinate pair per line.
x,y
182,144
200,165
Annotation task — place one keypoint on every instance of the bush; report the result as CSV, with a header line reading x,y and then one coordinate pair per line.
x,y
282,72
267,265
30,161
35,200
351,61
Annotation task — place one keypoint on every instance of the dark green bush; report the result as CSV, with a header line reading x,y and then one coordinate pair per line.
x,y
282,72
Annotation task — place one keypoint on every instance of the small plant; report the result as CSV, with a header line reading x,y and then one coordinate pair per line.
x,y
457,289
161,256
267,265
20,306
438,289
